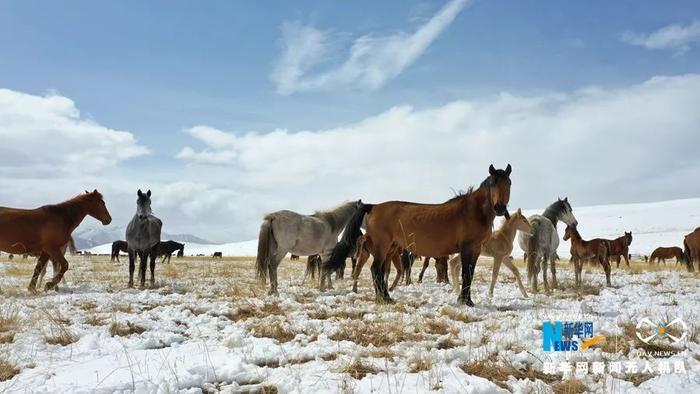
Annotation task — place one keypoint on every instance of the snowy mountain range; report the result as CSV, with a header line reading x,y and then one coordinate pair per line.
x,y
89,237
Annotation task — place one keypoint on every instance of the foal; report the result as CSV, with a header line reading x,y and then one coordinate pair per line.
x,y
499,246
581,251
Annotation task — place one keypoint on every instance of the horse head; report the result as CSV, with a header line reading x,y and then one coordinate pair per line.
x,y
521,222
498,183
565,213
143,204
98,208
570,232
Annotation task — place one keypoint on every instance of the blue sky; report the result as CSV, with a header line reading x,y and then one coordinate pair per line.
x,y
155,69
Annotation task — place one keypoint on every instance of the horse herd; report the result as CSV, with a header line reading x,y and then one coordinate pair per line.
x,y
454,233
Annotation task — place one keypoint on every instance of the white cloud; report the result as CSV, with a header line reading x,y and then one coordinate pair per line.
x,y
594,145
373,59
45,136
676,36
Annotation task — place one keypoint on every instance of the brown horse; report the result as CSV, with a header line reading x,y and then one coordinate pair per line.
x,y
661,254
460,225
499,246
46,229
620,247
581,251
70,246
362,253
691,243
440,269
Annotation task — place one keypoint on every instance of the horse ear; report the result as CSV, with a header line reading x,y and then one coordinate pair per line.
x,y
95,191
492,171
508,169
566,199
520,211
86,192
148,193
139,193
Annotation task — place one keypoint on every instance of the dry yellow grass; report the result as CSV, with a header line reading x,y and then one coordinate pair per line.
x,y
570,386
358,369
117,329
499,373
275,329
377,333
7,370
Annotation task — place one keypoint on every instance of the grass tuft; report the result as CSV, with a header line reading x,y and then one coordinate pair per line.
x,y
358,369
7,370
125,329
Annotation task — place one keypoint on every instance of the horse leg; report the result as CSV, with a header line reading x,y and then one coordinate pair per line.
x,y
153,268
360,262
455,266
508,262
627,260
606,267
132,266
38,269
378,269
143,262
494,273
422,271
468,264
58,261
441,270
533,269
553,269
396,259
543,262
272,272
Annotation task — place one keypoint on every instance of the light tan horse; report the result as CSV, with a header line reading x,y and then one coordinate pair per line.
x,y
499,246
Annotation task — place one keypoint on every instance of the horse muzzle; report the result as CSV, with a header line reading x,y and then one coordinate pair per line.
x,y
106,221
501,210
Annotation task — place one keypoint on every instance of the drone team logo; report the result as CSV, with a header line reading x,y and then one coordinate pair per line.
x,y
648,331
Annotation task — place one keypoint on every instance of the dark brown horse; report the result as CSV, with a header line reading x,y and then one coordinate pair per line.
x,y
165,250
45,230
460,225
217,255
661,254
294,257
118,246
691,244
582,251
619,248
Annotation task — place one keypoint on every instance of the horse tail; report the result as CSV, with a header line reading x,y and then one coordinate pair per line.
x,y
532,245
349,241
688,254
266,245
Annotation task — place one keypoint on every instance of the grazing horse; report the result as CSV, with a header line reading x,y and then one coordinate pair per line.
x,y
166,248
45,230
500,246
118,246
620,247
70,246
294,257
143,236
581,251
362,252
460,225
217,255
691,244
540,245
661,254
285,231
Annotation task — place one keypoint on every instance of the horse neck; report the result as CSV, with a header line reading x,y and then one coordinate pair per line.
x,y
73,212
479,201
338,217
550,214
508,229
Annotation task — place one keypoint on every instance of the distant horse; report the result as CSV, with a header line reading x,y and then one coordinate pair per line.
x,y
217,255
286,231
166,248
541,243
581,251
500,247
70,246
691,244
620,247
440,269
45,230
143,236
661,254
460,225
362,253
294,257
118,246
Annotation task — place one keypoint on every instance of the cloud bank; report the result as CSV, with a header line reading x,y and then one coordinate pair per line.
x,y
676,36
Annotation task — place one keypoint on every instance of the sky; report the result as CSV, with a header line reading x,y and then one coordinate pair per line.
x,y
227,110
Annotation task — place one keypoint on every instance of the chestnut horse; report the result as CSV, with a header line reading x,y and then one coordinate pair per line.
x,y
363,249
460,225
500,246
581,251
45,230
661,254
691,243
620,247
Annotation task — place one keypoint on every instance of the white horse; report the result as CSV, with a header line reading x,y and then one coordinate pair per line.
x,y
541,244
285,232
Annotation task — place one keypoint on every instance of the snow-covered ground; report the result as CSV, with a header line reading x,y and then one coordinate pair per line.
x,y
207,326
652,225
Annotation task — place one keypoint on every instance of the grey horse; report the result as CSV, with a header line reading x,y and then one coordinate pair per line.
x,y
285,232
540,245
142,236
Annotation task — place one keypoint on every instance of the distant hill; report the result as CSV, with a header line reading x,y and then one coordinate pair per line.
x,y
89,237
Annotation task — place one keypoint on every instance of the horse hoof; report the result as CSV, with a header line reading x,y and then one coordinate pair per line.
x,y
32,290
49,286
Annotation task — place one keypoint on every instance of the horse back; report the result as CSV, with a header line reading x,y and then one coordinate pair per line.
x,y
31,230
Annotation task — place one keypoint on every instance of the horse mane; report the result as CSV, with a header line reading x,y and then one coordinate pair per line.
x,y
70,204
462,194
553,211
338,216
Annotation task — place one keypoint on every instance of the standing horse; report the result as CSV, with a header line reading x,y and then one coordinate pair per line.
x,y
165,250
500,246
541,243
45,230
362,252
582,251
118,246
143,236
620,247
691,244
285,231
661,254
460,225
